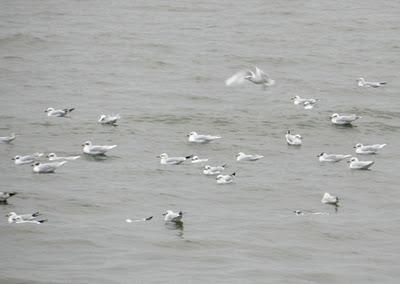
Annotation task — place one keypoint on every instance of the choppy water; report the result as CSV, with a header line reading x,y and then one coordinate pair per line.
x,y
161,65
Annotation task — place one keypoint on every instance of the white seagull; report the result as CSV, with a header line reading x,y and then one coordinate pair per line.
x,y
330,199
362,83
165,160
4,195
201,138
196,160
108,119
211,171
24,218
308,105
7,139
54,157
343,119
244,157
324,157
368,149
225,179
355,164
172,217
90,149
257,77
28,159
58,112
47,168
293,139
297,100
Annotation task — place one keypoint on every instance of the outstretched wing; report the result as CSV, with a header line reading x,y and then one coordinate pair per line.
x,y
238,78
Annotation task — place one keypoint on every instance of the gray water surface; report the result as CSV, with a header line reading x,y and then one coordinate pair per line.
x,y
161,65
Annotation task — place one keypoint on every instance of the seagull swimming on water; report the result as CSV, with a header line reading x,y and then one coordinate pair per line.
x,y
211,171
324,157
225,179
4,195
24,218
172,217
108,119
297,100
7,139
247,157
139,220
343,119
54,157
90,149
47,168
293,139
355,164
257,77
368,149
201,138
330,199
165,160
28,159
196,160
362,83
58,112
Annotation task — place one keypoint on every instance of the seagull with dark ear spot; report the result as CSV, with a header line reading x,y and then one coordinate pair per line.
x,y
4,195
58,112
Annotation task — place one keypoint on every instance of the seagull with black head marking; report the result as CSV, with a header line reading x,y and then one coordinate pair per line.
x,y
293,139
58,112
94,150
5,195
362,83
27,159
166,160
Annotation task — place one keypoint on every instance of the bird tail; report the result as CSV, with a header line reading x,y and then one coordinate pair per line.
x,y
62,163
382,145
233,174
36,214
112,147
382,83
148,218
189,157
12,193
42,221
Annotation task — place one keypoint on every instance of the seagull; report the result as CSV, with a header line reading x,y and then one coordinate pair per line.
x,y
243,157
298,212
28,159
4,195
355,164
165,160
297,100
58,112
201,138
54,157
293,139
225,179
343,119
108,119
211,171
324,157
90,149
330,199
257,77
196,160
363,83
308,105
46,168
7,139
24,218
139,220
172,217
368,149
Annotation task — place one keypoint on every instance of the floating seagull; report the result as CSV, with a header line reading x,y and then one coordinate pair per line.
x,y
298,212
302,213
4,195
58,112
330,199
368,149
211,171
244,157
343,119
324,157
54,157
293,139
200,138
139,220
28,159
47,168
225,179
7,139
108,119
165,160
90,149
308,105
172,217
196,160
355,164
297,100
257,77
24,218
363,83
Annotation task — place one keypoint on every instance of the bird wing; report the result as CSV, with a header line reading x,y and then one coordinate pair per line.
x,y
238,78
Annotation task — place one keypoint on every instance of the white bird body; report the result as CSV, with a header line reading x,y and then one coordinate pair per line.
x,y
47,168
165,160
297,100
343,119
24,218
293,139
257,77
211,171
355,164
362,83
4,195
201,138
7,139
108,119
58,112
54,157
28,159
247,157
330,199
324,157
197,160
308,105
172,217
90,149
225,179
368,149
